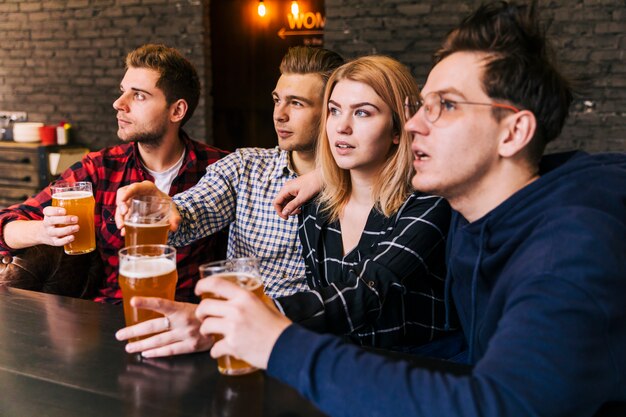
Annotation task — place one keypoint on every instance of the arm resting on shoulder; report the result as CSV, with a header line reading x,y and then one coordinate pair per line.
x,y
296,192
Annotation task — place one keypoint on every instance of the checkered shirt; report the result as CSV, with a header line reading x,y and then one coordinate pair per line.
x,y
237,191
388,291
108,170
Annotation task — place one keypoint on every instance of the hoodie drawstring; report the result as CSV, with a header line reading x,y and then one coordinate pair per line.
x,y
446,297
448,280
473,290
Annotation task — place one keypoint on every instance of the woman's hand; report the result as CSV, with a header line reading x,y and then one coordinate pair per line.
x,y
178,331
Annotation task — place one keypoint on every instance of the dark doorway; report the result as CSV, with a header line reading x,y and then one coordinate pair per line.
x,y
246,51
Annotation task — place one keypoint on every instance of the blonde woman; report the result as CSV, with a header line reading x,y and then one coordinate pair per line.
x,y
373,248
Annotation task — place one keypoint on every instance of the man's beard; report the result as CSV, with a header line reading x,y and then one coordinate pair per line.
x,y
303,146
152,138
298,147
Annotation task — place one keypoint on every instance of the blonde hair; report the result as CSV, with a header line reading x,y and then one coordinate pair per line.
x,y
392,82
309,60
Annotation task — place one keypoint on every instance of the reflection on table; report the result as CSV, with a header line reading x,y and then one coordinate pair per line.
x,y
58,357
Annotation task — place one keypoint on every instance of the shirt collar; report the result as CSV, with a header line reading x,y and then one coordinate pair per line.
x,y
283,166
190,154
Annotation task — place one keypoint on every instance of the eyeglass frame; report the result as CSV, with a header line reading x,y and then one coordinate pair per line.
x,y
409,105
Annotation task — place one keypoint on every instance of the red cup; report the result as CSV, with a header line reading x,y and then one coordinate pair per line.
x,y
48,135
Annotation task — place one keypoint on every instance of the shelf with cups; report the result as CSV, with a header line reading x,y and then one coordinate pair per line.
x,y
26,168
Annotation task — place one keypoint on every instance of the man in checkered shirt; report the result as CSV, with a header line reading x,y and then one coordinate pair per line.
x,y
237,191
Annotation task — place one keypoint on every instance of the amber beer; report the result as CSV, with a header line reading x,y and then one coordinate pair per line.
x,y
147,222
77,200
145,234
147,271
227,364
245,273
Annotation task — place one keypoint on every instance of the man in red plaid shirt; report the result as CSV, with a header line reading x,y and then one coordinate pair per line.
x,y
158,95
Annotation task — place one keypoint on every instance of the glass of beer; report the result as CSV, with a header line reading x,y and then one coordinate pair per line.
x,y
245,273
147,271
148,221
77,200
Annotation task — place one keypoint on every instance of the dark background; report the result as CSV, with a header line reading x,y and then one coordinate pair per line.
x,y
63,59
246,54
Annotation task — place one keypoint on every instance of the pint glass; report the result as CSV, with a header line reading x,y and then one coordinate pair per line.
x,y
77,199
147,271
245,273
148,221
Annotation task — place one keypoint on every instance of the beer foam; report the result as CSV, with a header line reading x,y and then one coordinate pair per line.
x,y
138,225
140,268
71,195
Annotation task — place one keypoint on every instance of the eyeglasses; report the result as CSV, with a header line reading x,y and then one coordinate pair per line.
x,y
434,104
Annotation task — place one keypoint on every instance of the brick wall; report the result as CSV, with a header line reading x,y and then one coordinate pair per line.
x,y
63,59
589,35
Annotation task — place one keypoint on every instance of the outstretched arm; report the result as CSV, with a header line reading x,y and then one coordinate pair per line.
x,y
211,204
35,222
125,194
530,366
56,229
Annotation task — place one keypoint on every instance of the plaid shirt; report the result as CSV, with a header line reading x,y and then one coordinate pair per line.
x,y
388,291
108,170
238,191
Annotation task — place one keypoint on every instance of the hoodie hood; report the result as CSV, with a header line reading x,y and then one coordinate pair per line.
x,y
516,240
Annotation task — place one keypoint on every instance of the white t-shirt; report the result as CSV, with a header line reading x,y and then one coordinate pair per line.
x,y
163,180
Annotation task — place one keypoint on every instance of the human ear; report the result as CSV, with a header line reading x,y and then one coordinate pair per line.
x,y
178,110
396,139
518,131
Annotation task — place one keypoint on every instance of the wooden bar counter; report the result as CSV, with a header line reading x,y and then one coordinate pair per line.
x,y
59,357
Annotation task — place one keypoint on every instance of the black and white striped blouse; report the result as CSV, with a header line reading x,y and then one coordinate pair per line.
x,y
387,292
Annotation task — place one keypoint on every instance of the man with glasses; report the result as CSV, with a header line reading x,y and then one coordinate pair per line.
x,y
434,102
536,251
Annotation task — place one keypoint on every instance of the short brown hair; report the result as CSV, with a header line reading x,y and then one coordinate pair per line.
x,y
520,68
178,77
308,60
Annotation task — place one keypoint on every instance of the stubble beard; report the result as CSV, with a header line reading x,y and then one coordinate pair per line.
x,y
301,146
298,147
150,138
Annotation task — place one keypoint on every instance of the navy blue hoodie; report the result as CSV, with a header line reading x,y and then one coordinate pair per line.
x,y
539,284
